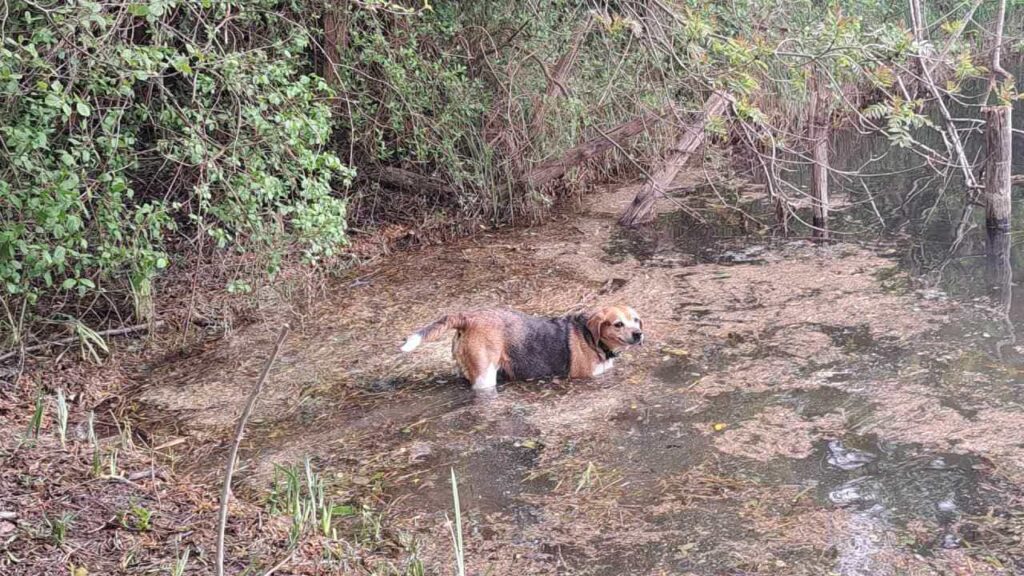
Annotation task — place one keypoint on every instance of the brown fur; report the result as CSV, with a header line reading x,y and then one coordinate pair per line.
x,y
480,343
583,356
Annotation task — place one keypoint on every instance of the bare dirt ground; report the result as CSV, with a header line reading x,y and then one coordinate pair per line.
x,y
798,409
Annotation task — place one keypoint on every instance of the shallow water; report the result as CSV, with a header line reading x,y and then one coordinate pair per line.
x,y
850,409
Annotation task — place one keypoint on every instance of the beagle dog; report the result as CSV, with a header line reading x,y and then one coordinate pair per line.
x,y
492,342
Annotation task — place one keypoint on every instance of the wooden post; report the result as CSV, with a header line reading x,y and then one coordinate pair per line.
x,y
998,143
642,208
818,132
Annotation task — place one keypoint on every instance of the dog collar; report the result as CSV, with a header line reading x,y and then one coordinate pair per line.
x,y
608,353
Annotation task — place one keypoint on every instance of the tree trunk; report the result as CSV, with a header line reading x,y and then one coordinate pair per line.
x,y
553,169
819,185
998,143
642,208
818,131
1000,274
335,20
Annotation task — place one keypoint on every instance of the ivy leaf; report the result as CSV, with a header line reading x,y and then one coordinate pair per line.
x,y
83,109
68,284
138,10
182,65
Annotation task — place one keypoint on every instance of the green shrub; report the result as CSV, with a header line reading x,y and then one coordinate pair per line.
x,y
125,123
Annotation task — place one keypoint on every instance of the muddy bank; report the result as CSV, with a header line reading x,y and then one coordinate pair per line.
x,y
799,409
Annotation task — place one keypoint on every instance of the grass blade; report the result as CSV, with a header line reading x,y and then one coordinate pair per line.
x,y
62,417
457,530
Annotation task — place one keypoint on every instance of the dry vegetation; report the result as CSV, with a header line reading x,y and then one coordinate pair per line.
x,y
697,454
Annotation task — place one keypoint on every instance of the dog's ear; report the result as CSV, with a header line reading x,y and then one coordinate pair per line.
x,y
596,319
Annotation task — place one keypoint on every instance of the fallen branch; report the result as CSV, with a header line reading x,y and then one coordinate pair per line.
x,y
411,181
72,339
225,492
642,208
554,169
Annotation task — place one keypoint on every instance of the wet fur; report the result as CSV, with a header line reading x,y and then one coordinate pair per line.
x,y
517,346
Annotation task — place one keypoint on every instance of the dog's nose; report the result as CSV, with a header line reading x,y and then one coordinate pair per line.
x,y
638,336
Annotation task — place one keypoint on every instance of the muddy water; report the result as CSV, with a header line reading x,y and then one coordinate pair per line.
x,y
799,409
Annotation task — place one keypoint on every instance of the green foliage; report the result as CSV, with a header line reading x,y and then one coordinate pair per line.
x,y
137,132
59,526
412,102
901,116
125,122
138,518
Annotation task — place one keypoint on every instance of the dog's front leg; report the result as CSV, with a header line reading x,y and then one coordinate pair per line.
x,y
487,380
603,367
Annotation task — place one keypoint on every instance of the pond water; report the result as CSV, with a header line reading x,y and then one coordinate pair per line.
x,y
851,409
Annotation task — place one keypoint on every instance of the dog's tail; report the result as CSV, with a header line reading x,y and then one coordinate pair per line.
x,y
434,330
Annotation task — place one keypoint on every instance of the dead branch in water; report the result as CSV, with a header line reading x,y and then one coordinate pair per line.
x,y
642,208
225,492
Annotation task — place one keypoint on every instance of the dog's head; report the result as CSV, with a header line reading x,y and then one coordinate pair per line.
x,y
615,326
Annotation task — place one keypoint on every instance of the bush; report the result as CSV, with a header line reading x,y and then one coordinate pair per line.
x,y
125,123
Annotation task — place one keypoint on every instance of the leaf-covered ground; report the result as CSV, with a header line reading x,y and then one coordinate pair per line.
x,y
798,409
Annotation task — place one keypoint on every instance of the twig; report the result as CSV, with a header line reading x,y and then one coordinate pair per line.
x,y
147,474
239,430
170,444
72,339
283,561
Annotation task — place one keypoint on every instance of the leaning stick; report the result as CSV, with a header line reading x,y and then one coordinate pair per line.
x,y
225,492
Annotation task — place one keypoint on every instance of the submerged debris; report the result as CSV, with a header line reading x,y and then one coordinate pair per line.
x,y
847,458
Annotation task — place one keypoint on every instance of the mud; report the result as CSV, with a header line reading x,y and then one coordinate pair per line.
x,y
798,409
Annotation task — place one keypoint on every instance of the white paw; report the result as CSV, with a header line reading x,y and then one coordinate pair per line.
x,y
488,381
412,342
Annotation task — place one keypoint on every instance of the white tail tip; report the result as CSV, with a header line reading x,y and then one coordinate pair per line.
x,y
412,342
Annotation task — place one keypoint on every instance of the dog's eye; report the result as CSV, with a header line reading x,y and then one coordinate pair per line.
x,y
619,324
